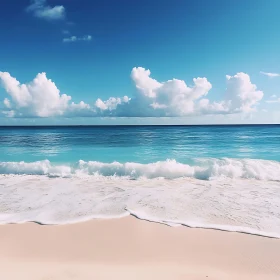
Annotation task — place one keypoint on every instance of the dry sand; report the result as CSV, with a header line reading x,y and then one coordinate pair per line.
x,y
133,249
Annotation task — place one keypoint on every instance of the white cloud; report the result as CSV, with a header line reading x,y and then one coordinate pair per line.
x,y
144,82
41,9
271,75
9,114
110,104
76,39
39,98
273,101
206,107
172,98
7,103
242,95
80,106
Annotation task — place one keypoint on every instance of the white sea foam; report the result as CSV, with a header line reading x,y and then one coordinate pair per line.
x,y
203,169
231,204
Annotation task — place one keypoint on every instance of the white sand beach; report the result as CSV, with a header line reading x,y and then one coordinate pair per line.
x,y
129,248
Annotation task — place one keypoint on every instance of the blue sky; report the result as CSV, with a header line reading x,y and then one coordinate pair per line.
x,y
127,53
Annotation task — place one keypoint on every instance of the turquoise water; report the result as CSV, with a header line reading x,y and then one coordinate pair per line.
x,y
143,144
222,177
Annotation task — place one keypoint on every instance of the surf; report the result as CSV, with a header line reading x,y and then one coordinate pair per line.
x,y
231,204
202,169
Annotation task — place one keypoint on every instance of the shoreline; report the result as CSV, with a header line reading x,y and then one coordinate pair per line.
x,y
235,205
129,248
223,228
172,224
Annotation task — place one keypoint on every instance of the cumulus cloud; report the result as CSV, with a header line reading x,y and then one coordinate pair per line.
x,y
271,75
206,107
76,39
41,9
242,95
172,98
110,104
39,98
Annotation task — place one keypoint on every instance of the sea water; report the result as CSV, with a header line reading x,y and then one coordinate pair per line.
x,y
223,177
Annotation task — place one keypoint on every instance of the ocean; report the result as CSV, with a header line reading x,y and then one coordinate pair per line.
x,y
221,177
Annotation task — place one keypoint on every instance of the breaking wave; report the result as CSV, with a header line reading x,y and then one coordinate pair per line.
x,y
203,169
228,194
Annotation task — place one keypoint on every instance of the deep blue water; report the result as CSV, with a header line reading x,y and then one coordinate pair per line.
x,y
143,144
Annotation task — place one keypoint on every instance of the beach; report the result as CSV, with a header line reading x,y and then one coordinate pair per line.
x,y
129,248
139,140
140,203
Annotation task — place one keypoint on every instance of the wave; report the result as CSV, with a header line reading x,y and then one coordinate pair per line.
x,y
249,206
203,169
10,219
229,228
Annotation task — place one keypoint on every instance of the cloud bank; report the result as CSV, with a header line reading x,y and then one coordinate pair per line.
x,y
40,9
172,98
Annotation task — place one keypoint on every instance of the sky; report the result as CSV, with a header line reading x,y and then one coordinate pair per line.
x,y
139,62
